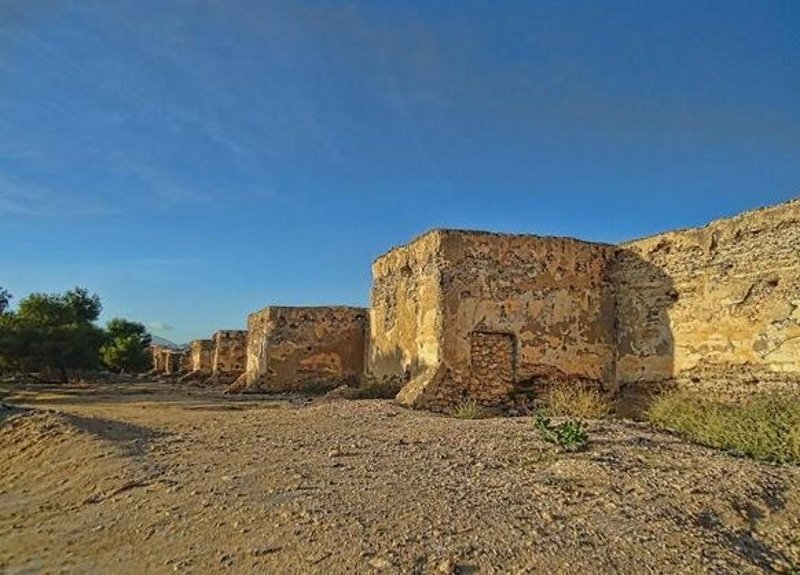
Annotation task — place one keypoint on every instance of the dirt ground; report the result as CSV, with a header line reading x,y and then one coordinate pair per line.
x,y
151,478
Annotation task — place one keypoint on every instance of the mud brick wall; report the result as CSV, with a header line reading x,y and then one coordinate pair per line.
x,y
499,312
230,352
715,307
305,348
201,355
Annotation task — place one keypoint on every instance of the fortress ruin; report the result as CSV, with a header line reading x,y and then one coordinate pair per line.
x,y
462,314
497,318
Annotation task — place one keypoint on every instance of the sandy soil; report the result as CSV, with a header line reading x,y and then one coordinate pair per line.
x,y
144,478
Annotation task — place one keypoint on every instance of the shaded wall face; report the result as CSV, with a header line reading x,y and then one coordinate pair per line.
x,y
541,309
405,310
230,352
295,349
717,306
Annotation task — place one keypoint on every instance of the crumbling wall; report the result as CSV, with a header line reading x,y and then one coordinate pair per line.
x,y
175,361
715,307
201,356
305,348
230,353
157,352
405,309
499,312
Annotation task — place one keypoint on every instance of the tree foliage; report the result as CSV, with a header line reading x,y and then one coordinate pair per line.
x,y
5,299
57,332
126,347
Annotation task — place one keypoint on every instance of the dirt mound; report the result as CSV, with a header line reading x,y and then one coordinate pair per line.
x,y
64,458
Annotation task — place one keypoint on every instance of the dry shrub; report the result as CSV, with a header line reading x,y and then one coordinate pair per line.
x,y
576,401
765,427
469,409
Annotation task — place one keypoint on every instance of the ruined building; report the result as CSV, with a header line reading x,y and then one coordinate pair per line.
x,y
304,348
460,314
157,353
474,314
174,361
201,356
230,354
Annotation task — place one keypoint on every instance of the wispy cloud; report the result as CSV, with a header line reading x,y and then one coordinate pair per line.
x,y
20,198
159,326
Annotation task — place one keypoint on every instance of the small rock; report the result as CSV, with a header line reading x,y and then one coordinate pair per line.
x,y
447,567
380,563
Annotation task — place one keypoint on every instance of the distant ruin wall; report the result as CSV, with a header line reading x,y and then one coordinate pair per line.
x,y
201,355
158,357
716,307
230,352
174,361
305,348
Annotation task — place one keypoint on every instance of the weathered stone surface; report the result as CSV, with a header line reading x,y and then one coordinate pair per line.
x,y
230,354
302,348
201,359
715,307
472,314
475,314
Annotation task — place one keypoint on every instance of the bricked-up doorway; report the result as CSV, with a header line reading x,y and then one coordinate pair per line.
x,y
492,357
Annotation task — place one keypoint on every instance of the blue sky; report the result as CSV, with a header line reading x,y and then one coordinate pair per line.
x,y
193,161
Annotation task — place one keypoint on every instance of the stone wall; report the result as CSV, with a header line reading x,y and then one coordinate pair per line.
x,y
230,353
715,307
305,348
201,356
480,315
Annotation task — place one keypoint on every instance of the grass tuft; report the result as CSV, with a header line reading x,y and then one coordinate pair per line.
x,y
765,427
469,409
576,401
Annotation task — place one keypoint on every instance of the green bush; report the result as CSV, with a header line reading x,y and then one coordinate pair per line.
x,y
570,435
469,409
765,427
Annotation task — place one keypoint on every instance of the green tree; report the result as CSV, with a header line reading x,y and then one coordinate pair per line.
x,y
126,347
52,331
5,300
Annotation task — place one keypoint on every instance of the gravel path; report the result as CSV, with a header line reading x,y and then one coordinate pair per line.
x,y
167,481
